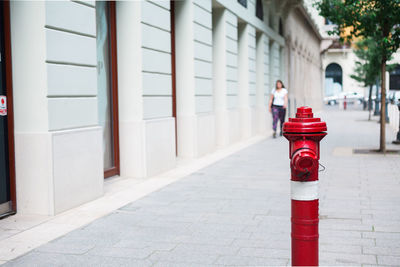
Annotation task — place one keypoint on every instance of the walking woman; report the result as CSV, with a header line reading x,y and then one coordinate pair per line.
x,y
277,105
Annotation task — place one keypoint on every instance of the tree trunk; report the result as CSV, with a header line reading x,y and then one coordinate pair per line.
x,y
382,147
369,102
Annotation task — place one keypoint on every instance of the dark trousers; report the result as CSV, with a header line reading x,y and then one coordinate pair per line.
x,y
278,113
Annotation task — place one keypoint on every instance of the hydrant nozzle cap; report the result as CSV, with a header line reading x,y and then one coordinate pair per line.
x,y
304,112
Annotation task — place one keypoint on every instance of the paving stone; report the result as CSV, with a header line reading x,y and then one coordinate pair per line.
x,y
391,229
179,264
250,261
347,241
393,243
340,233
381,235
387,251
135,253
267,243
344,258
183,257
207,249
140,244
205,240
68,248
265,252
389,260
53,259
340,248
87,238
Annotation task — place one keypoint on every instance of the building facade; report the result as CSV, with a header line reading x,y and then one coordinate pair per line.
x,y
98,89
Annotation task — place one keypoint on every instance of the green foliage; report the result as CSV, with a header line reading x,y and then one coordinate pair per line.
x,y
367,68
378,20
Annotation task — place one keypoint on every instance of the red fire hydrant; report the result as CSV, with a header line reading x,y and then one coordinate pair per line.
x,y
304,134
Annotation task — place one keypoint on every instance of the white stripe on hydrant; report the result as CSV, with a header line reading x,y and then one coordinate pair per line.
x,y
304,190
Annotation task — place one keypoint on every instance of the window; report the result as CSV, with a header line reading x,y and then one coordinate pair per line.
x,y
328,22
107,85
394,80
259,10
243,3
280,27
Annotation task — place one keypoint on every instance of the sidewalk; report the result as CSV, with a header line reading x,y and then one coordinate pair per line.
x,y
237,211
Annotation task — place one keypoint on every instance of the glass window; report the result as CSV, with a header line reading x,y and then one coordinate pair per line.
x,y
243,3
104,84
259,10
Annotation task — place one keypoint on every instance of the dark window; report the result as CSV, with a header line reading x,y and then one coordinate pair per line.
x,y
328,22
333,79
243,3
334,71
394,80
259,10
280,27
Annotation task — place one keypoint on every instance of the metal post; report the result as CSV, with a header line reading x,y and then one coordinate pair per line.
x,y
397,141
376,110
386,111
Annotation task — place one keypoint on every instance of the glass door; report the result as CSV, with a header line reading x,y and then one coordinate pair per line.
x,y
107,85
7,185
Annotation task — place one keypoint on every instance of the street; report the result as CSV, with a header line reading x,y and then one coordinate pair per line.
x,y
237,210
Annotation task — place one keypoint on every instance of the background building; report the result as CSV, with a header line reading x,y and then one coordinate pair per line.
x,y
339,61
97,89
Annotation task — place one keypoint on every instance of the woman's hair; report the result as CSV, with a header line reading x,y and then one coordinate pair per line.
x,y
279,81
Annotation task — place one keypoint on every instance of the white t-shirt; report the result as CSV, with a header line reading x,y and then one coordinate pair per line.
x,y
279,96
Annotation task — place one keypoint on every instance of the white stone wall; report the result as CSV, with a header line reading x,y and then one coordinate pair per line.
x,y
252,66
203,55
71,65
275,67
304,64
55,102
231,59
156,59
263,120
147,128
266,61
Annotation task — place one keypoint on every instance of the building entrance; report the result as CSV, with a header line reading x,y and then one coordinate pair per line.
x,y
7,185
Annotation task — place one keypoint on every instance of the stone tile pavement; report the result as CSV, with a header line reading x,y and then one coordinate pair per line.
x,y
237,211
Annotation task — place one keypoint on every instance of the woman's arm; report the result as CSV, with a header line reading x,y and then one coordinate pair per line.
x,y
270,102
286,101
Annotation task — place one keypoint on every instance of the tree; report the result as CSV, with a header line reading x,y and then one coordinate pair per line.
x,y
378,20
366,71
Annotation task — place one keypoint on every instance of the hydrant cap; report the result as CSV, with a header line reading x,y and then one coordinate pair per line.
x,y
304,122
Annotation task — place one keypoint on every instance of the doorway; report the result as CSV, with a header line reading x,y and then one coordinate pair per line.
x,y
7,169
333,79
107,85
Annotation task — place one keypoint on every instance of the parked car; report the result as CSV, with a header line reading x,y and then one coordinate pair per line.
x,y
351,97
331,100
